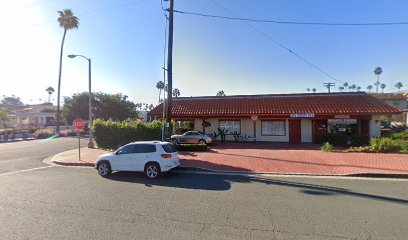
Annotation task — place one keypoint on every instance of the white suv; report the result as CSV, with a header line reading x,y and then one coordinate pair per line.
x,y
152,158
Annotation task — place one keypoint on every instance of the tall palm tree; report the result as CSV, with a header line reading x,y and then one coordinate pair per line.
x,y
341,89
377,72
49,90
313,90
352,87
176,92
399,85
67,21
221,93
369,88
358,89
345,85
160,86
382,86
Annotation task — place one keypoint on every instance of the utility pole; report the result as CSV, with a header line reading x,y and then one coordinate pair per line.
x,y
170,72
329,85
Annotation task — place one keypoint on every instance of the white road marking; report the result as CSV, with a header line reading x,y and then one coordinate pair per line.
x,y
25,170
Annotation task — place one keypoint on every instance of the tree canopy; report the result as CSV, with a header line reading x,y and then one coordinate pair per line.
x,y
116,107
11,102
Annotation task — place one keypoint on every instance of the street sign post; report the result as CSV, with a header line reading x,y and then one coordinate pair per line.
x,y
78,125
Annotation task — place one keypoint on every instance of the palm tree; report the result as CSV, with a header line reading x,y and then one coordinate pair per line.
x,y
68,21
352,87
369,88
49,90
221,93
308,89
399,85
160,86
377,71
382,86
345,85
313,90
176,92
341,89
358,89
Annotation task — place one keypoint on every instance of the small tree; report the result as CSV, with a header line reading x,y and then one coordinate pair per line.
x,y
160,86
399,85
313,90
50,91
221,93
308,89
341,89
377,72
369,88
383,86
176,92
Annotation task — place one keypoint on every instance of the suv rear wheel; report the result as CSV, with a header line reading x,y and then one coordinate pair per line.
x,y
152,170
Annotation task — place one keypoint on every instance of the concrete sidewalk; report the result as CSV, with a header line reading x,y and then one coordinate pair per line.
x,y
279,160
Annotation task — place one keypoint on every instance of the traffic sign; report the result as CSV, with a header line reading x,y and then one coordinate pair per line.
x,y
78,124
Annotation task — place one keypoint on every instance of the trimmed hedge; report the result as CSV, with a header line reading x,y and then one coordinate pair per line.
x,y
192,147
342,139
111,135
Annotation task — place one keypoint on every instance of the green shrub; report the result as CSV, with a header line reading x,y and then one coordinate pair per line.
x,y
386,145
43,133
327,147
400,136
111,135
192,147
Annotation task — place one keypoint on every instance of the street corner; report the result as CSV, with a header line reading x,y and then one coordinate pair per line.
x,y
84,158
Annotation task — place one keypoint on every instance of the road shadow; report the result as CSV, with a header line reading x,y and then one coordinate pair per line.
x,y
196,181
175,180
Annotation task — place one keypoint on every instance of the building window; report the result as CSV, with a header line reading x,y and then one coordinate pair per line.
x,y
273,128
230,125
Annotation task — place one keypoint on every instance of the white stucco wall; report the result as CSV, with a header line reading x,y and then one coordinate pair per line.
x,y
375,126
306,130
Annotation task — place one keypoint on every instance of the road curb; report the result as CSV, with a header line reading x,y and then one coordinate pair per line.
x,y
76,164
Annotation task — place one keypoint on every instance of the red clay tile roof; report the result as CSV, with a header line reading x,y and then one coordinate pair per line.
x,y
390,96
277,104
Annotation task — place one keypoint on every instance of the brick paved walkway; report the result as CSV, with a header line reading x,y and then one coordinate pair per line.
x,y
273,158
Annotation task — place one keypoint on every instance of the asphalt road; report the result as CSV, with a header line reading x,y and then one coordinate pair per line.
x,y
76,203
29,154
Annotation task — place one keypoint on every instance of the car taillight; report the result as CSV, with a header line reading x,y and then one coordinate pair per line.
x,y
166,155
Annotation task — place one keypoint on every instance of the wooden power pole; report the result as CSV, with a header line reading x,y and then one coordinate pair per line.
x,y
170,72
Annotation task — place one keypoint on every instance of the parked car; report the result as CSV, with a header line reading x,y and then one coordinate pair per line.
x,y
152,158
193,137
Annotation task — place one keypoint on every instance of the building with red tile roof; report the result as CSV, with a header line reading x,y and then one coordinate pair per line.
x,y
282,117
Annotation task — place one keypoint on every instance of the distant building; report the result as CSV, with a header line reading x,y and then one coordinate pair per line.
x,y
33,115
398,100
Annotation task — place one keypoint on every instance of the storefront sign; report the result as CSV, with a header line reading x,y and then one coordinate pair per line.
x,y
254,118
302,115
342,121
342,116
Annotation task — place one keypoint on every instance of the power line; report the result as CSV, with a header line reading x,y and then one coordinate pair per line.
x,y
292,22
281,45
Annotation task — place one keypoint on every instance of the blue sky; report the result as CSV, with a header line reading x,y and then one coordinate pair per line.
x,y
125,38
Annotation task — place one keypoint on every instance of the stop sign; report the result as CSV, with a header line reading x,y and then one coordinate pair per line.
x,y
78,124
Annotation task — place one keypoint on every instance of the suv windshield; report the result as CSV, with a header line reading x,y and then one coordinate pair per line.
x,y
168,148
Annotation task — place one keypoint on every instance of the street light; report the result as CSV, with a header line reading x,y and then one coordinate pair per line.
x,y
90,142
